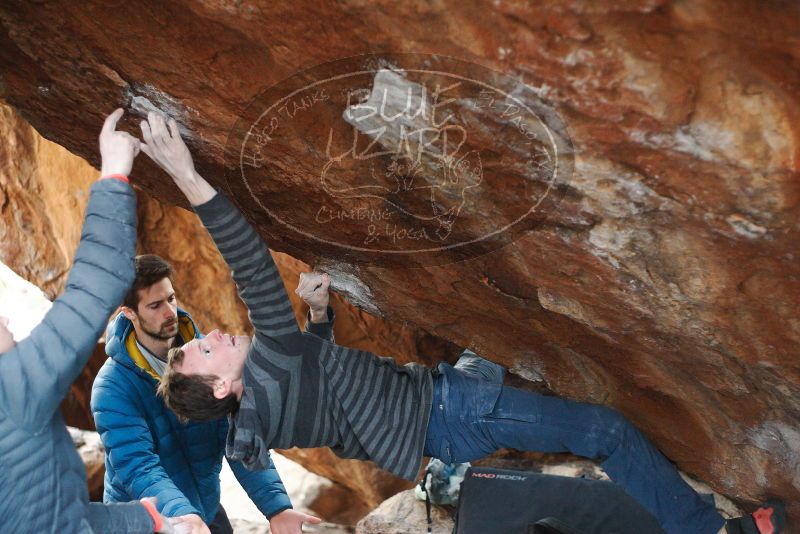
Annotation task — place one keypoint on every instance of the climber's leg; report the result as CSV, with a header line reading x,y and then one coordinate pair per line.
x,y
467,423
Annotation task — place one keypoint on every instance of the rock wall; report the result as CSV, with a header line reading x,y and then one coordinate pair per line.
x,y
42,188
666,283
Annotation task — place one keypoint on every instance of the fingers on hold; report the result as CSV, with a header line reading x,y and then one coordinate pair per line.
x,y
174,130
152,121
151,134
152,127
146,132
158,127
110,124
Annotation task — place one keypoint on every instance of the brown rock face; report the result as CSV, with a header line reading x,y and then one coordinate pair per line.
x,y
665,284
42,188
370,484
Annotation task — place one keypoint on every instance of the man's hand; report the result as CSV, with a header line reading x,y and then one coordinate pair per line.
x,y
168,525
177,526
167,149
313,289
190,524
117,149
291,521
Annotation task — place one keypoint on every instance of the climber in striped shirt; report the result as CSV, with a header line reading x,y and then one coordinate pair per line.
x,y
285,388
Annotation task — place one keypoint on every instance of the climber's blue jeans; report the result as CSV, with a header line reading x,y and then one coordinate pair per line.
x,y
471,418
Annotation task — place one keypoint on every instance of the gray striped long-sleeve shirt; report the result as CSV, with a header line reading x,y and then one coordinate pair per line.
x,y
303,391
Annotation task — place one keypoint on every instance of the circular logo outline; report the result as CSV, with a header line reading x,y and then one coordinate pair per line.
x,y
552,181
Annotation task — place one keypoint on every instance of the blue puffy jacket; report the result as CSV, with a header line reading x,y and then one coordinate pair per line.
x,y
150,453
42,478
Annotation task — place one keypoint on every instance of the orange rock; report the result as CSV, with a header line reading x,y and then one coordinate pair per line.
x,y
371,484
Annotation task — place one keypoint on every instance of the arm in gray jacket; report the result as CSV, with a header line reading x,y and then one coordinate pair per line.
x,y
36,374
127,517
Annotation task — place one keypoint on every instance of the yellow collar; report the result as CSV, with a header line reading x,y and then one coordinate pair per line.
x,y
187,332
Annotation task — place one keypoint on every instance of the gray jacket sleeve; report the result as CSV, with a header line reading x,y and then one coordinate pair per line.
x,y
127,517
37,373
257,278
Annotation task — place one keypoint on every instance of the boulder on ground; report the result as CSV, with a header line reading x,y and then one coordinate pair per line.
x,y
405,514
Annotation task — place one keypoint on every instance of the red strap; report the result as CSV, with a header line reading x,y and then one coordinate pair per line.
x,y
120,177
763,520
154,515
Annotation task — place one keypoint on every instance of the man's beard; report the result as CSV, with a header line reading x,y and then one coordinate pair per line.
x,y
164,333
